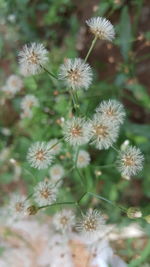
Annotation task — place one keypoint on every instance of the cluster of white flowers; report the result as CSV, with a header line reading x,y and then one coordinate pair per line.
x,y
27,103
18,206
13,85
45,193
76,74
101,28
32,58
91,226
39,155
64,220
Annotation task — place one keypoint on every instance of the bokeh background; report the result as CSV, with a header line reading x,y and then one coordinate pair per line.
x,y
121,71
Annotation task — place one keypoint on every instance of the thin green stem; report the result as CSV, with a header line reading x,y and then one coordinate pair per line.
x,y
115,149
90,49
108,201
50,73
58,203
105,166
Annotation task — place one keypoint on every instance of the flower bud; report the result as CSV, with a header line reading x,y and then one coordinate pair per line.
x,y
134,212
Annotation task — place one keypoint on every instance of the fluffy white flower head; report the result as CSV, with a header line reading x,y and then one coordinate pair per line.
x,y
64,220
101,28
56,172
103,132
76,131
39,155
14,84
55,146
18,206
83,159
28,102
76,74
32,57
91,225
45,193
130,161
112,110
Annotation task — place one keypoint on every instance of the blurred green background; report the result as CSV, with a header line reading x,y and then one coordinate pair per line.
x,y
121,71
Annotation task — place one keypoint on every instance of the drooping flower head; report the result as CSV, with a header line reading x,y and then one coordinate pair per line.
x,y
112,110
28,102
130,161
91,225
55,146
56,172
102,28
32,57
76,131
76,74
45,193
39,155
18,206
103,132
64,220
83,159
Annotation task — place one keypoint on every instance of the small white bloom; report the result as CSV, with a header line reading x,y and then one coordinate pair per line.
x,y
18,206
76,131
83,159
91,225
101,28
76,74
56,172
26,114
113,110
45,193
55,146
103,132
13,84
64,220
130,161
32,57
28,102
39,155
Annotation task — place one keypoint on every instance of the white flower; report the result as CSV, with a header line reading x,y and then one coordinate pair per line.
x,y
91,225
130,161
28,102
13,84
18,206
83,159
26,114
39,155
45,193
101,28
103,132
64,220
113,110
56,172
32,57
76,131
55,146
76,74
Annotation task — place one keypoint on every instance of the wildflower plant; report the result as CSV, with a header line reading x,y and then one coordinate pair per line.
x,y
68,143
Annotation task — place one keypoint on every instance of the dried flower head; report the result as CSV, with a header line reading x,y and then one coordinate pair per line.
x,y
91,225
101,28
55,146
76,131
28,102
32,57
13,84
83,159
56,172
130,161
64,220
103,132
45,193
76,74
39,155
18,206
112,110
